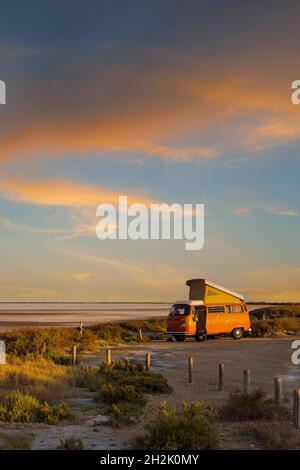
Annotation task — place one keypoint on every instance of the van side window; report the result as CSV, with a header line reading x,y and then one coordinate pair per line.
x,y
216,309
234,309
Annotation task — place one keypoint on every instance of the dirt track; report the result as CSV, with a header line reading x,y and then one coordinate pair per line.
x,y
267,358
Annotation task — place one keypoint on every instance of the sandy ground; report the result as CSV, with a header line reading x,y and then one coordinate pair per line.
x,y
16,315
267,358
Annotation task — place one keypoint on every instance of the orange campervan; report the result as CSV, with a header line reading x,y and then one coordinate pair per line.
x,y
210,310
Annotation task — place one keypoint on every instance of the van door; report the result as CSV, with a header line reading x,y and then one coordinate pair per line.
x,y
200,312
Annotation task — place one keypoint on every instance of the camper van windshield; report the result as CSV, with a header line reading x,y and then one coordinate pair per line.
x,y
180,309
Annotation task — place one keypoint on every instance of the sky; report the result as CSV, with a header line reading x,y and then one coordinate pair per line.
x,y
167,101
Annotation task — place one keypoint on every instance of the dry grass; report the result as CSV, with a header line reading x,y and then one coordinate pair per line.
x,y
40,378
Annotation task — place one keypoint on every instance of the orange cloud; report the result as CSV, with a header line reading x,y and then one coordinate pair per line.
x,y
125,110
64,193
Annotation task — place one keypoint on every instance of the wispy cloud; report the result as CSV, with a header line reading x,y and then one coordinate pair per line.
x,y
184,154
241,211
65,193
280,212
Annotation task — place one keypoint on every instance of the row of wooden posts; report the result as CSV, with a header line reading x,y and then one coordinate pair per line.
x,y
278,383
108,358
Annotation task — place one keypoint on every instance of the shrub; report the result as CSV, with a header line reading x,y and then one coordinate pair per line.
x,y
149,382
123,413
157,325
115,393
58,358
262,328
267,327
276,311
71,443
54,414
255,405
122,386
18,407
184,430
55,342
15,442
277,436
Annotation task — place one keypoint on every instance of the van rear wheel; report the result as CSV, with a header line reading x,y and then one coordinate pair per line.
x,y
237,333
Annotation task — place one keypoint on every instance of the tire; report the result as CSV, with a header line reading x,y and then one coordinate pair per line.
x,y
180,338
237,333
200,338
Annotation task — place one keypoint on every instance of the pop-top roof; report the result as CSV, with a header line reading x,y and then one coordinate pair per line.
x,y
217,286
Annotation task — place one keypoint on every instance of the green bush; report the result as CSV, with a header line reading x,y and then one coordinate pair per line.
x,y
54,414
15,442
123,413
255,405
184,430
149,382
18,407
267,327
290,310
71,443
122,386
58,358
277,436
111,393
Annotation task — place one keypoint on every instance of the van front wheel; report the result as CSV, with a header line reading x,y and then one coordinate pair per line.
x,y
180,338
199,338
237,333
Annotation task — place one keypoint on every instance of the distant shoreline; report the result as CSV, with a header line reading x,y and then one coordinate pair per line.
x,y
157,302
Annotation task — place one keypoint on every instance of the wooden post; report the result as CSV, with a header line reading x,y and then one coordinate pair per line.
x,y
44,347
190,369
148,361
81,328
140,335
108,357
278,391
246,380
296,408
74,355
221,376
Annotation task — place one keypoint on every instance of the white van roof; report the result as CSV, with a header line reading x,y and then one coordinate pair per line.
x,y
189,302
